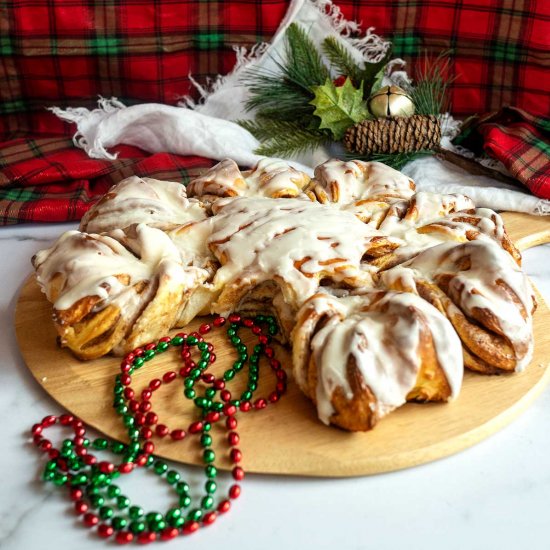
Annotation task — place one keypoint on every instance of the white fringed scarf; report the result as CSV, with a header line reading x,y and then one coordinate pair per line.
x,y
205,127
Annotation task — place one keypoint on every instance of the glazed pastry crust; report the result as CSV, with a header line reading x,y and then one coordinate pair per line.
x,y
383,293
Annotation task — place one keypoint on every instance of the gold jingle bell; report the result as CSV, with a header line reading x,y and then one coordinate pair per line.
x,y
390,101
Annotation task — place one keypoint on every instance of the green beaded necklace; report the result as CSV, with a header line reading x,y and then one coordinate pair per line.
x,y
98,499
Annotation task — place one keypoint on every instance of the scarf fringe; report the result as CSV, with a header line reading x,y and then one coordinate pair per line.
x,y
244,58
542,208
87,123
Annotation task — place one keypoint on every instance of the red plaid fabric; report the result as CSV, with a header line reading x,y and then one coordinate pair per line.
x,y
50,180
67,52
519,140
500,49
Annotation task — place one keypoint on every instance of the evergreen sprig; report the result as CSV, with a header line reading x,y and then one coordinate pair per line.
x,y
285,94
304,64
429,93
366,73
394,160
281,138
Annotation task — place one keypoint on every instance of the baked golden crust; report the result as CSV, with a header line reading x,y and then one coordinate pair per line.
x,y
371,282
373,337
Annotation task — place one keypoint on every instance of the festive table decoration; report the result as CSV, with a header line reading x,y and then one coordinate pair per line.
x,y
91,481
309,103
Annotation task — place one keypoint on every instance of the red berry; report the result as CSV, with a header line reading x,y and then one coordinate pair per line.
x,y
340,81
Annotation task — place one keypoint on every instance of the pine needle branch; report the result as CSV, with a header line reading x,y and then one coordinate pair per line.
x,y
304,64
429,94
340,58
394,160
284,138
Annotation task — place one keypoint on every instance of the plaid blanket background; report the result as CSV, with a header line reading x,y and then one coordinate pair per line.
x,y
519,140
68,52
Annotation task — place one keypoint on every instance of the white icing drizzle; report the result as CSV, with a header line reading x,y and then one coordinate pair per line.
x,y
222,180
297,243
89,264
270,236
269,178
343,182
142,200
273,177
476,287
384,341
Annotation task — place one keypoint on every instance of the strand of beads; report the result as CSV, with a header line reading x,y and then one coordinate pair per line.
x,y
98,500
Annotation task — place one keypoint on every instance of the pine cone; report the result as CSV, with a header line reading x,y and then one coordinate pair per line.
x,y
394,135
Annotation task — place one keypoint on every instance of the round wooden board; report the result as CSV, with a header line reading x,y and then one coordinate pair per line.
x,y
287,438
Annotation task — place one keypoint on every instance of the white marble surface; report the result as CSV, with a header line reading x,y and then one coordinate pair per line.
x,y
494,495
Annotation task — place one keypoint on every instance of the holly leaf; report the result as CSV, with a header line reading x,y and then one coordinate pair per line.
x,y
339,107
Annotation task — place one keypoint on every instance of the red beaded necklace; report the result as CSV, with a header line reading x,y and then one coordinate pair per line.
x,y
91,481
